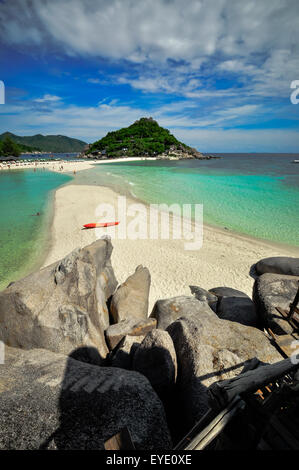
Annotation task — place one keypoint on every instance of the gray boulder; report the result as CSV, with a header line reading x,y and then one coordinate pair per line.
x,y
227,292
50,401
238,309
166,311
278,265
234,305
156,359
115,333
131,298
122,355
208,350
204,296
271,291
62,306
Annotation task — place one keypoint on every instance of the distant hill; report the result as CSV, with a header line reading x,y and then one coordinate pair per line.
x,y
143,138
46,143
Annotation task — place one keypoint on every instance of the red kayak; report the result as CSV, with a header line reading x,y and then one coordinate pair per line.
x,y
104,224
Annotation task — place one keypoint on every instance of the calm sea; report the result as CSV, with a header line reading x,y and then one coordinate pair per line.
x,y
252,194
23,237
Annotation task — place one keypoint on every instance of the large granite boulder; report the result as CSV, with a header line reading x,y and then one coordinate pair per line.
x,y
271,291
278,265
156,359
166,311
51,401
131,297
238,309
208,350
234,305
122,355
133,327
62,306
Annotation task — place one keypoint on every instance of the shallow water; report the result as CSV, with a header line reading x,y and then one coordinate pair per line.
x,y
256,194
23,237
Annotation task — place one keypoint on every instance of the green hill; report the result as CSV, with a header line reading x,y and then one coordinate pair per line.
x,y
8,148
46,143
143,138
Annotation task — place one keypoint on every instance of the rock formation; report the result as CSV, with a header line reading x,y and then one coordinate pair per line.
x,y
278,265
209,349
131,298
51,401
271,291
62,306
166,311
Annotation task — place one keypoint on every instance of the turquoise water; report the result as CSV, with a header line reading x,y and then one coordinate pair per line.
x,y
23,236
256,195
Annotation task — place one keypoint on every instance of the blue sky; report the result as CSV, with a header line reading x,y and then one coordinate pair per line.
x,y
217,73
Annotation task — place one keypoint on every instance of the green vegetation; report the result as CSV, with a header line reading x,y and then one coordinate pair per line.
x,y
144,137
9,148
46,143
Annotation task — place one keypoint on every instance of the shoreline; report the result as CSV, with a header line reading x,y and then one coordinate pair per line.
x,y
225,258
65,166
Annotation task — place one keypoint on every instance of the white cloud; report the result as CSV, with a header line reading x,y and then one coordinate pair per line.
x,y
257,39
47,99
208,134
94,80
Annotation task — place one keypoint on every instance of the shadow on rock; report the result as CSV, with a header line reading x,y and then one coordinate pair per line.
x,y
95,403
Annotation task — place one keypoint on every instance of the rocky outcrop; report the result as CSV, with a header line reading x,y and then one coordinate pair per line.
x,y
166,311
156,359
209,349
50,401
221,292
62,306
122,355
278,265
271,291
115,333
231,304
131,298
237,309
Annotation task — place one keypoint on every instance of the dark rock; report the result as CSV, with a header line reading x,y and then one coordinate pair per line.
x,y
122,355
115,333
234,305
271,291
156,359
227,292
166,311
238,309
50,401
278,265
131,298
62,306
204,296
209,349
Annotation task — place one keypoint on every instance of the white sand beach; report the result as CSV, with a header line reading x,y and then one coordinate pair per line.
x,y
225,258
65,166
